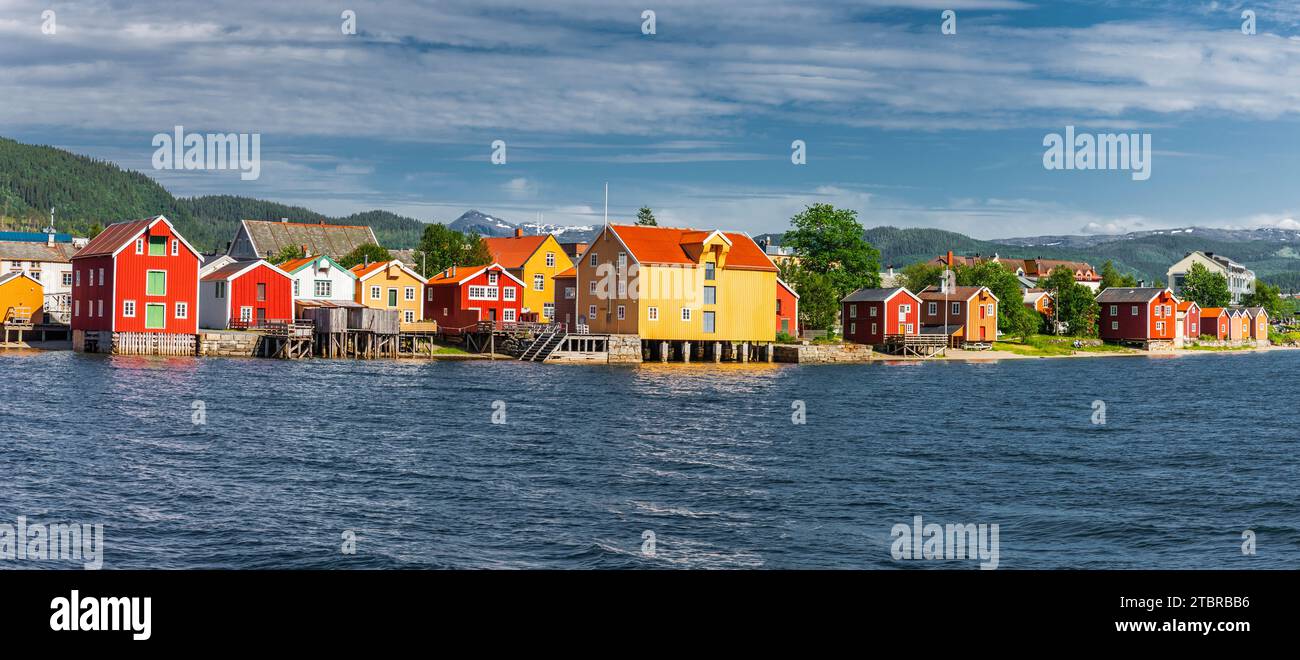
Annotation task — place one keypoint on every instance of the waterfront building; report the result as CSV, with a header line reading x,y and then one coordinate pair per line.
x,y
869,315
1146,314
245,294
968,314
1215,323
534,260
1241,280
391,285
787,309
22,299
462,296
320,279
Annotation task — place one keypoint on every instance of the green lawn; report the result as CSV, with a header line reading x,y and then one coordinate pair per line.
x,y
1048,346
1198,347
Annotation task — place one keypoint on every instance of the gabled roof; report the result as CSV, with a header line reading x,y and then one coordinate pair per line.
x,y
1129,294
268,237
294,265
364,272
958,293
876,295
571,271
1212,311
462,274
667,245
1186,305
514,251
32,251
7,277
1256,311
238,269
118,235
787,287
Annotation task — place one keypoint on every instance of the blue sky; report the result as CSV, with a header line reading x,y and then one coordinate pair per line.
x,y
906,125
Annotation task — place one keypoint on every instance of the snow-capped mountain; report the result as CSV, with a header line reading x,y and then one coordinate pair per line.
x,y
483,224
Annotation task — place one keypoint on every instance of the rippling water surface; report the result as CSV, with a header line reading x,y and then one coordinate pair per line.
x,y
1195,450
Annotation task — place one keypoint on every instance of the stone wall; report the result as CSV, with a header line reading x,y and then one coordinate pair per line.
x,y
214,343
1228,342
822,353
624,349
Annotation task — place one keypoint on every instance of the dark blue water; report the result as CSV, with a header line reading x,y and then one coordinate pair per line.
x,y
1195,450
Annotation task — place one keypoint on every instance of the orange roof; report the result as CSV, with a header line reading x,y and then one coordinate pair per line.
x,y
666,245
449,277
1186,305
513,251
294,264
1211,311
361,269
571,271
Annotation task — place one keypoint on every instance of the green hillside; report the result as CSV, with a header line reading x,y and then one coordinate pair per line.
x,y
87,192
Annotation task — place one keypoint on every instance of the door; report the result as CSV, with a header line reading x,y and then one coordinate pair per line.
x,y
155,316
708,321
392,297
261,316
492,314
983,332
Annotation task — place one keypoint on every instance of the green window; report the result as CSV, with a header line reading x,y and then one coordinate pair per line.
x,y
392,297
157,283
155,315
157,246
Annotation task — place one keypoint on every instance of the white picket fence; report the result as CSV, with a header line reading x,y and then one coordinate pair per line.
x,y
153,343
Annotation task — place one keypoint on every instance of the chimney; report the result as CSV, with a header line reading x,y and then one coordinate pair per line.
x,y
367,260
519,232
950,258
284,219
891,270
305,253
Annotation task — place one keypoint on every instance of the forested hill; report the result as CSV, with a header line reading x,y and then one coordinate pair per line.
x,y
87,193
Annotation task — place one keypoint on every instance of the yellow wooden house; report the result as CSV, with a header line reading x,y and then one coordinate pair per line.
x,y
22,299
392,285
692,293
535,260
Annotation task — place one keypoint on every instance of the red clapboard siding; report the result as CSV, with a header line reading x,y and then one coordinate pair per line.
x,y
278,305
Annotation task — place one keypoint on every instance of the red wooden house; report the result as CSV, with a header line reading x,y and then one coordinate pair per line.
x,y
787,309
1215,322
1190,314
464,295
870,314
139,276
1138,314
245,294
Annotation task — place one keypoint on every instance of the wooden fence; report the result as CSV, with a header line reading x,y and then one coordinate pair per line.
x,y
153,343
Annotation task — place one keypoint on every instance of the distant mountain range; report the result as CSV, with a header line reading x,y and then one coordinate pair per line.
x,y
89,192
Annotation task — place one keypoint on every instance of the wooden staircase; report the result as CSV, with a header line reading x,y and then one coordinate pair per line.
x,y
543,346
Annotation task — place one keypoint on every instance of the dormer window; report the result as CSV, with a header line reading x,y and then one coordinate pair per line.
x,y
710,273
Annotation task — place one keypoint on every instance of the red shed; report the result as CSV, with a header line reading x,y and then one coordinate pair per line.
x,y
787,309
870,314
464,295
139,276
245,294
1214,322
1190,313
1137,314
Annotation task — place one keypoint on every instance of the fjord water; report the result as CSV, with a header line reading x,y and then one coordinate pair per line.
x,y
405,454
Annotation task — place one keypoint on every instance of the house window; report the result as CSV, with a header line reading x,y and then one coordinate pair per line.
x,y
956,308
593,260
445,312
76,308
909,328
101,277
1160,310
392,296
408,316
155,316
492,277
591,286
157,246
550,260
508,315
686,313
710,295
853,310
182,310
78,277
139,246
128,309
375,293
1114,325
622,261
508,293
219,290
1114,310
548,310
1193,328
67,279
622,313
652,313
261,291
934,309
872,311
176,245
709,322
99,308
539,282
157,283
853,328
1135,310
428,294
709,272
570,292
591,312
1160,326
873,328
778,305
409,294
245,314
296,287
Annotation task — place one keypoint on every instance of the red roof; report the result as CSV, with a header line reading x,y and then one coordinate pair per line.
x,y
455,274
1186,305
513,251
667,245
1211,311
114,237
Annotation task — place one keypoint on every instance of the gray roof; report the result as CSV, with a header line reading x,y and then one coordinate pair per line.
x,y
957,293
872,295
29,251
271,236
1128,295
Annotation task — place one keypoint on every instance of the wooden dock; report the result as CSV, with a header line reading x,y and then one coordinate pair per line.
x,y
924,345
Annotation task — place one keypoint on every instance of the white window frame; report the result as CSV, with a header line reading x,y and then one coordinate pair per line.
x,y
874,327
508,293
591,312
99,305
1114,310
408,315
245,314
182,310
621,312
508,315
550,260
539,282
934,309
492,277
76,277
139,245
409,293
328,290
686,313
548,310
67,278
956,307
376,292
652,313
176,247
592,261
873,311
591,286
1114,325
1135,310
853,328
128,309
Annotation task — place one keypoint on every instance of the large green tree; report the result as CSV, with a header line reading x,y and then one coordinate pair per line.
x,y
1074,304
365,253
818,302
829,241
1111,277
1012,314
919,275
287,253
1206,288
1266,296
442,247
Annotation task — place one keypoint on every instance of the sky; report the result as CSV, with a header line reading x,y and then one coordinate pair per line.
x,y
906,125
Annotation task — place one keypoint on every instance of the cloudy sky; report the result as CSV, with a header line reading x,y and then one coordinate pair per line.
x,y
906,125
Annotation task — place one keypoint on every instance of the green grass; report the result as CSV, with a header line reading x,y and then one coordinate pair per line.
x,y
1049,346
445,349
1198,347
